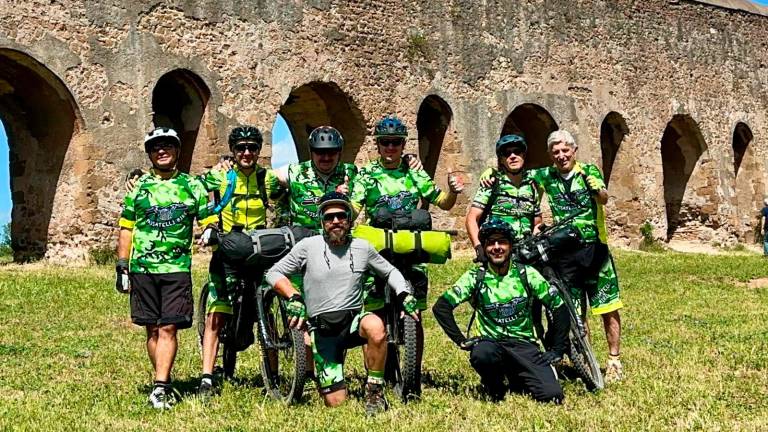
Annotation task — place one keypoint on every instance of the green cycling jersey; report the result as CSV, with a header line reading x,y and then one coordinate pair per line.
x,y
571,195
161,212
516,205
306,186
503,306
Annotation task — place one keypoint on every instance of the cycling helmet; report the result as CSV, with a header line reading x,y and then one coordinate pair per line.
x,y
334,198
161,134
511,140
325,137
245,133
390,126
495,225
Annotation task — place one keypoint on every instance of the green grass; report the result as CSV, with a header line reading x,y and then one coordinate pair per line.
x,y
695,353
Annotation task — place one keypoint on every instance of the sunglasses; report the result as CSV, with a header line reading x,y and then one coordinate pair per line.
x,y
330,217
241,148
391,143
156,147
509,151
325,152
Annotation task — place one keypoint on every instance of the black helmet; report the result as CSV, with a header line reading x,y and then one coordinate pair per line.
x,y
161,134
511,140
390,126
495,225
245,133
334,198
325,137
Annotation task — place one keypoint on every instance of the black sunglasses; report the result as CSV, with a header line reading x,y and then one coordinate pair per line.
x,y
341,216
162,145
241,148
391,143
325,151
509,151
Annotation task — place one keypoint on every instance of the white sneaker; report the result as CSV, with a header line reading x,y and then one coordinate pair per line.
x,y
614,372
161,398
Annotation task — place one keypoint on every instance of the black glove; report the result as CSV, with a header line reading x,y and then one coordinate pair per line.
x,y
468,343
122,283
551,357
210,235
480,254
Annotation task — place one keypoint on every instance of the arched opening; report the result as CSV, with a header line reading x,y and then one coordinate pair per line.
x,y
179,101
681,146
535,124
742,136
612,132
6,252
432,123
323,104
40,118
283,147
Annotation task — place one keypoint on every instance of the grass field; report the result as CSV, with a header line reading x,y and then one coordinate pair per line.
x,y
694,351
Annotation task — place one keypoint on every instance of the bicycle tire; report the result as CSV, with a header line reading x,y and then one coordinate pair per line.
x,y
283,364
201,316
583,358
410,369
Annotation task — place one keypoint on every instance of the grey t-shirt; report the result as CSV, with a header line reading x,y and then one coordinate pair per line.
x,y
334,275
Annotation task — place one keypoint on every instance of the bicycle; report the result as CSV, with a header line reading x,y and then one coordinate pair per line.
x,y
403,365
540,251
283,352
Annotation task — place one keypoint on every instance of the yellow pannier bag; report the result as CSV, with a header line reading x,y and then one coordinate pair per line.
x,y
426,246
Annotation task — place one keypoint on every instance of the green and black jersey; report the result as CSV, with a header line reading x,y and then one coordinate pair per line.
x,y
503,306
161,212
306,187
515,205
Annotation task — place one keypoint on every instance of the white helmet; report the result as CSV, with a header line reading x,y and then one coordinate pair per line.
x,y
160,133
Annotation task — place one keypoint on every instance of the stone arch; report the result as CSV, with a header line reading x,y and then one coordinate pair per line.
x,y
321,103
742,136
41,118
612,132
681,146
535,124
432,121
180,100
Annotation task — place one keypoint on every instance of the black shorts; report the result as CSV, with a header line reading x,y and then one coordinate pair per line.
x,y
332,334
160,299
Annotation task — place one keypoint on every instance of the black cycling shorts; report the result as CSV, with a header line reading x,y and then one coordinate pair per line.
x,y
161,299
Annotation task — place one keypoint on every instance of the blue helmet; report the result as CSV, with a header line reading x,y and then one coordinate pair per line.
x,y
390,126
511,140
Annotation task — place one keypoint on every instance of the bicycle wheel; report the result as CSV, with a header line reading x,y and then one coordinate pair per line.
x,y
201,315
283,351
583,358
408,387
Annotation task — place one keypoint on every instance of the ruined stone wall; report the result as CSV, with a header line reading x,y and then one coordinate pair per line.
x,y
649,61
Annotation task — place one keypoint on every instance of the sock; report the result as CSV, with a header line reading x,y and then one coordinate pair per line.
x,y
159,383
376,377
207,378
613,356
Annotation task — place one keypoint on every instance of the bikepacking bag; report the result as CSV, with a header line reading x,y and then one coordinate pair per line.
x,y
423,246
262,247
416,220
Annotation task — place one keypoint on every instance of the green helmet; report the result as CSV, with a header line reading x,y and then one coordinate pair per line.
x,y
325,137
241,133
511,140
495,225
390,126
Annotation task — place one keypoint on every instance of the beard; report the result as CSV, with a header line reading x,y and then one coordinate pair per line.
x,y
337,236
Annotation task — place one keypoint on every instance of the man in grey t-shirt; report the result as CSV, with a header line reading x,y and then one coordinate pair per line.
x,y
333,267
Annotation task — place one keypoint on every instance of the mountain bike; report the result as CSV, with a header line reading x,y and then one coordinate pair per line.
x,y
283,353
540,251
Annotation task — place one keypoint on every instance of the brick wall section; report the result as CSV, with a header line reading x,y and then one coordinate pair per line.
x,y
580,60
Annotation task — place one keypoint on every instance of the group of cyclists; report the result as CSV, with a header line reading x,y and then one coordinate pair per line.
x,y
333,284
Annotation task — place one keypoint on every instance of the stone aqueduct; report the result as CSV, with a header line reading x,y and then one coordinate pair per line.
x,y
668,97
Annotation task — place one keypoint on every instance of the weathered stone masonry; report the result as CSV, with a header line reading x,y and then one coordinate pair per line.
x,y
668,97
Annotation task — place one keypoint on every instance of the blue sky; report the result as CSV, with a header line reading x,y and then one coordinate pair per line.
x,y
761,2
5,182
283,149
